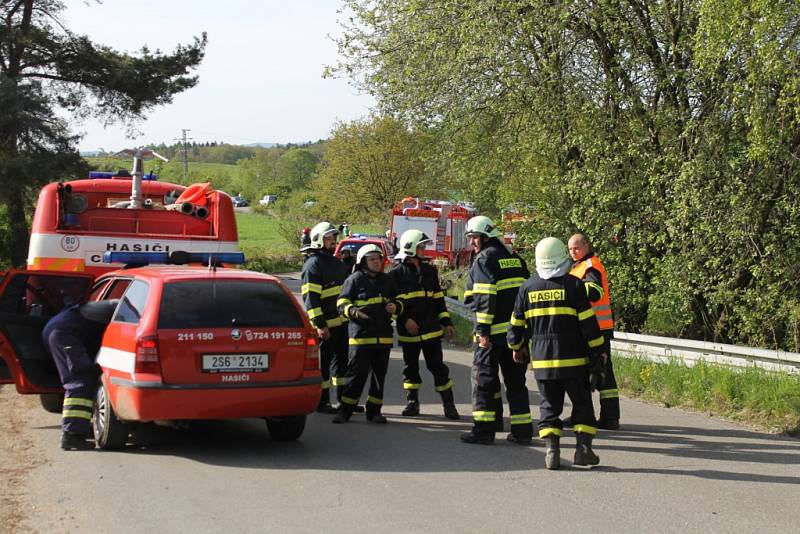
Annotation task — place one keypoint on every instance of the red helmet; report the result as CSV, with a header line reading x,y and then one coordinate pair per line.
x,y
306,230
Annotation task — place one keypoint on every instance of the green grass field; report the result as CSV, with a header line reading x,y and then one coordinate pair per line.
x,y
266,236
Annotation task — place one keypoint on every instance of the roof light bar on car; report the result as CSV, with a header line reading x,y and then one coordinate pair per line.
x,y
175,258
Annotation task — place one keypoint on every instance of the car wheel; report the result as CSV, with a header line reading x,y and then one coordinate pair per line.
x,y
109,431
286,428
52,402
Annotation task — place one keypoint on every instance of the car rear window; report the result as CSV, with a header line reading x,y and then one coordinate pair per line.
x,y
226,303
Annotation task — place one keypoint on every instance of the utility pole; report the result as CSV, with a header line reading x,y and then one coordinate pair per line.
x,y
185,152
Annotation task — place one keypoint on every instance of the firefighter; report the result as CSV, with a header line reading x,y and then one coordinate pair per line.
x,y
494,278
423,323
369,300
553,311
73,337
322,277
588,267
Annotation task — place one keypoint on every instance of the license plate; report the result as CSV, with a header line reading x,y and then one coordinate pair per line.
x,y
235,363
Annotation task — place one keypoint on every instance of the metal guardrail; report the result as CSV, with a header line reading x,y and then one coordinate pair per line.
x,y
664,349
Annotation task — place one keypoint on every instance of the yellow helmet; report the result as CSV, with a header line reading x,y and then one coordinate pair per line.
x,y
481,225
409,242
368,249
318,234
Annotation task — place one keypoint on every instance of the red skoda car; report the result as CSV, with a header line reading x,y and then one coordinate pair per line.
x,y
184,343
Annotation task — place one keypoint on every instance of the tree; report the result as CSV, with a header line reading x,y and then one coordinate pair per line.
x,y
44,68
368,166
296,168
667,130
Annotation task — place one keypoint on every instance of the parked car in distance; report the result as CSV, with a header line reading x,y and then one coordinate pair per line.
x,y
268,200
185,342
239,202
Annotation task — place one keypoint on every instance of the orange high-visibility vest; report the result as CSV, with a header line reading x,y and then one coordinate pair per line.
x,y
602,307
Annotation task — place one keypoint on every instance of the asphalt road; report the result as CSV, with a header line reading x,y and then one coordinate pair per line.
x,y
665,471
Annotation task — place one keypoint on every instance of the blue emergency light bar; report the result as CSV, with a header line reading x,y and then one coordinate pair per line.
x,y
150,258
93,175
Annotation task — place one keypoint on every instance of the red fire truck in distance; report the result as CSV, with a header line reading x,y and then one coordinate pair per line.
x,y
444,222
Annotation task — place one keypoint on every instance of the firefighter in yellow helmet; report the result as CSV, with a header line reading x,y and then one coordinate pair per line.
x,y
552,313
494,278
423,323
369,300
322,277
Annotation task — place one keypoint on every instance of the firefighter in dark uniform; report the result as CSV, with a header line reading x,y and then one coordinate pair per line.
x,y
492,284
588,267
321,278
553,312
73,337
369,300
423,323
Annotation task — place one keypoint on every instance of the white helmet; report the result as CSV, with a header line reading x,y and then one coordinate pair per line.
x,y
318,234
409,242
481,225
368,249
551,252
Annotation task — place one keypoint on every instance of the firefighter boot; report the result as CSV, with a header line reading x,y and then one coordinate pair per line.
x,y
71,441
412,403
552,456
481,434
343,414
449,405
584,455
324,405
339,391
374,414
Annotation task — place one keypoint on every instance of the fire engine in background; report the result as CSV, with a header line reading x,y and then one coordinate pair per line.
x,y
444,222
76,222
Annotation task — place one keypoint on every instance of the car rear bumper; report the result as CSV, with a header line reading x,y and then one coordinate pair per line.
x,y
150,401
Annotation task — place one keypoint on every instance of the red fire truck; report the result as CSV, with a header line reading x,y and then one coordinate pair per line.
x,y
76,222
444,222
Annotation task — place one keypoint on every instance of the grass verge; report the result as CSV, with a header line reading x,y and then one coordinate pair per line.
x,y
769,400
274,264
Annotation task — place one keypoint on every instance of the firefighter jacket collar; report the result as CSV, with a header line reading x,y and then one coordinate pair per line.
x,y
555,272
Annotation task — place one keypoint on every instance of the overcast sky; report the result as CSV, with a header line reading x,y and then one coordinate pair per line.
x,y
260,81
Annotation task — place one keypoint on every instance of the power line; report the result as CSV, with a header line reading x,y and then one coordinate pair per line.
x,y
184,150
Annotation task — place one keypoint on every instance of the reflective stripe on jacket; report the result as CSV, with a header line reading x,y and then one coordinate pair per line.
x,y
423,301
492,284
556,316
585,270
369,295
321,282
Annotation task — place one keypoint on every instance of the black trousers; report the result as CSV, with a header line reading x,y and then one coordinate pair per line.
x,y
78,374
434,361
333,358
486,365
609,394
552,404
371,361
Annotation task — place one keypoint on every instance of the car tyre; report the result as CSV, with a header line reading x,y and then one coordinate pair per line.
x,y
286,428
109,432
52,402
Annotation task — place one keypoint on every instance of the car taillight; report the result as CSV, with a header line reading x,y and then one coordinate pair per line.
x,y
311,363
147,355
